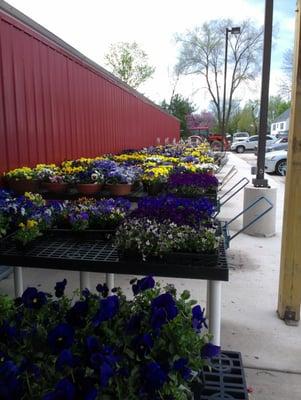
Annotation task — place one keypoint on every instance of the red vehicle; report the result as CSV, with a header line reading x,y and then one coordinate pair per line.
x,y
201,133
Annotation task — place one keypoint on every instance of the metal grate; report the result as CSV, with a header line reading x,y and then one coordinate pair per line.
x,y
224,378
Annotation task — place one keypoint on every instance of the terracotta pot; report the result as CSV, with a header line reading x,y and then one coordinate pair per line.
x,y
89,188
119,189
23,185
55,187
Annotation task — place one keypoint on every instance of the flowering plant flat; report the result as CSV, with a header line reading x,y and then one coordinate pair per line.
x,y
102,346
146,238
193,212
191,184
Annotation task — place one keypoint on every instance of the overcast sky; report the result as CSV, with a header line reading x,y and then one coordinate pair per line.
x,y
92,25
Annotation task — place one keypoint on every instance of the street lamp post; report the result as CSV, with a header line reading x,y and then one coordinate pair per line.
x,y
259,181
233,31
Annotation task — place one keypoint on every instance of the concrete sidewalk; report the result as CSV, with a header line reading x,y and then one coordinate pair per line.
x,y
271,350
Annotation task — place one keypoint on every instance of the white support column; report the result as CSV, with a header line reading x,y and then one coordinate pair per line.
x,y
215,304
110,281
84,278
207,300
18,281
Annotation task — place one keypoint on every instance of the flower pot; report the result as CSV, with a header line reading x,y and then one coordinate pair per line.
x,y
119,189
55,187
89,188
23,185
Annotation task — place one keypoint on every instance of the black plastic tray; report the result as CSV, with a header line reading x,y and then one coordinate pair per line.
x,y
224,379
66,252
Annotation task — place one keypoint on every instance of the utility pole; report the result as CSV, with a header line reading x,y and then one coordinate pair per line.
x,y
289,296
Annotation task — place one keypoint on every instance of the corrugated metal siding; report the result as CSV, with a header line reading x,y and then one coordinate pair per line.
x,y
55,107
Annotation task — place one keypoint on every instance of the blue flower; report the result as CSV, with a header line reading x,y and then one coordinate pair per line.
x,y
65,359
198,319
143,344
163,309
103,289
31,298
64,390
143,284
210,351
76,316
60,338
10,385
108,309
181,366
93,344
8,333
60,288
153,376
104,362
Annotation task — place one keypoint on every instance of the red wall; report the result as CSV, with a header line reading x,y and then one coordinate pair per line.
x,y
55,106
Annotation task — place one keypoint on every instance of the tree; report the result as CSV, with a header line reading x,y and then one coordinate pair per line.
x,y
202,52
285,87
276,107
180,107
249,118
129,63
206,118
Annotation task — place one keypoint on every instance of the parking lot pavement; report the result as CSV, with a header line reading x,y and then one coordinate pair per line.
x,y
251,159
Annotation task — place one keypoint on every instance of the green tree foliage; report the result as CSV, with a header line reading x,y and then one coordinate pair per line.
x,y
180,107
129,63
202,52
276,107
249,118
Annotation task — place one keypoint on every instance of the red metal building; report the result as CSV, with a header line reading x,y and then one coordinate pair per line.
x,y
56,104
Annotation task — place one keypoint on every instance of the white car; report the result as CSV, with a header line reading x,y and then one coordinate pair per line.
x,y
275,161
240,136
251,143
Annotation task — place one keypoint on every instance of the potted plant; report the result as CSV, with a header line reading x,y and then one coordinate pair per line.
x,y
89,181
102,345
154,179
22,180
120,180
26,234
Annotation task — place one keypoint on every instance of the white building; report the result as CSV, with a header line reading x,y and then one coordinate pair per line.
x,y
281,124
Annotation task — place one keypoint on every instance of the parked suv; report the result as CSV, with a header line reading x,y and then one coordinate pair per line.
x,y
240,136
250,144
